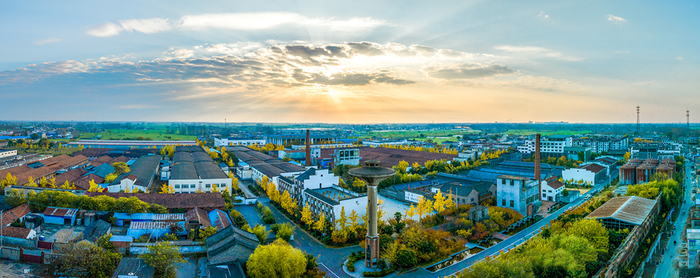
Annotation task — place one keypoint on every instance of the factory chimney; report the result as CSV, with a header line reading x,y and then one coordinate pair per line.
x,y
308,148
538,176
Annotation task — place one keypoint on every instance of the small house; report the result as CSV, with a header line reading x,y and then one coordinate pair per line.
x,y
60,216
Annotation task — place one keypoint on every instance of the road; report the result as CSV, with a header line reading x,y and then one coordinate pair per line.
x,y
330,259
667,265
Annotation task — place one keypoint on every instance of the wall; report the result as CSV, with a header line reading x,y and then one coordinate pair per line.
x,y
509,193
359,205
578,174
9,253
20,242
199,184
322,178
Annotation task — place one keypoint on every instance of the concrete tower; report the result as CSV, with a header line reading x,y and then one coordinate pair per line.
x,y
637,119
538,175
372,174
308,148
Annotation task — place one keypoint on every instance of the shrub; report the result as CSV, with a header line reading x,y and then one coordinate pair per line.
x,y
406,258
259,206
238,219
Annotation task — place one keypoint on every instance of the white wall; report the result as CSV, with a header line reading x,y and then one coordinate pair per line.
x,y
548,191
359,205
578,174
201,184
412,197
322,179
123,185
6,153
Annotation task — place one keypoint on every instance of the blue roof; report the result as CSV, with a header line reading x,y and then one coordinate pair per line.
x,y
405,186
142,216
122,215
104,170
36,165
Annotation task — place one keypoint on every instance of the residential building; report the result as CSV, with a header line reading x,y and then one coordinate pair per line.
x,y
15,213
330,201
518,193
550,146
255,165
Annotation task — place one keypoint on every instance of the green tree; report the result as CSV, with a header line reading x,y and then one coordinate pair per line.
x,y
285,231
163,256
84,259
406,258
120,168
261,233
278,259
207,232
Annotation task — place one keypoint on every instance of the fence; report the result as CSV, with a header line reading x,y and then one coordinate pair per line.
x,y
31,256
19,242
44,245
10,253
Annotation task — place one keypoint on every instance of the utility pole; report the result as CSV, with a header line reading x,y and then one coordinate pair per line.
x,y
687,115
637,119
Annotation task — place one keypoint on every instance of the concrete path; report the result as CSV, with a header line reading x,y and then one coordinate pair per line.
x,y
668,266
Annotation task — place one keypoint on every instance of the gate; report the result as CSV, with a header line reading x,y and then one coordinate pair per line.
x,y
44,244
32,256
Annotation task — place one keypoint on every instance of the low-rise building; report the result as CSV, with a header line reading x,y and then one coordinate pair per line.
x,y
143,173
310,179
194,170
238,141
626,212
60,216
231,245
518,193
331,200
7,153
552,189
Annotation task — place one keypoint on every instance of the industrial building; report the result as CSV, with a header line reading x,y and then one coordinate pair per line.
x,y
626,212
141,177
45,168
193,170
236,141
299,139
253,165
636,171
129,144
310,179
550,146
590,174
518,193
60,216
208,201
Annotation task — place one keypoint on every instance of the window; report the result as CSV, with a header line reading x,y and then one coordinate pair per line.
x,y
503,202
177,186
208,185
512,182
472,200
512,203
503,182
544,195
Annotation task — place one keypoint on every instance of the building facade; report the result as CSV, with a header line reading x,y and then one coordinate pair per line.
x,y
518,193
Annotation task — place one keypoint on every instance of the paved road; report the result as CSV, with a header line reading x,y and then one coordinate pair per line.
x,y
330,259
667,265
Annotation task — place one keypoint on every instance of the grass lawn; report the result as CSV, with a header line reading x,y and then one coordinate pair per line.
x,y
155,134
546,133
581,189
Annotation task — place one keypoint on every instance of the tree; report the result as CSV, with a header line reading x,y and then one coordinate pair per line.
x,y
108,179
165,189
285,231
321,223
439,204
234,182
354,218
627,156
84,259
450,203
43,182
406,258
14,198
94,187
278,259
415,167
120,168
67,185
411,211
307,216
342,220
30,182
52,182
9,180
104,242
207,232
401,167
358,184
163,256
261,233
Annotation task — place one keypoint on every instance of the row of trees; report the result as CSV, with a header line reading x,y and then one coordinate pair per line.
x,y
39,202
436,149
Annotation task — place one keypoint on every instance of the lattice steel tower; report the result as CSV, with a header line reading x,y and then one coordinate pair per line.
x,y
637,119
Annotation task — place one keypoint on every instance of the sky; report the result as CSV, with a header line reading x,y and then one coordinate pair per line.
x,y
350,61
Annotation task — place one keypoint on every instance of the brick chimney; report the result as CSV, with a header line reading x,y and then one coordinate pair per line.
x,y
308,148
538,176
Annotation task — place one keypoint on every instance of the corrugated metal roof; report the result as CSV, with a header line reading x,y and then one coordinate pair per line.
x,y
60,212
149,225
630,209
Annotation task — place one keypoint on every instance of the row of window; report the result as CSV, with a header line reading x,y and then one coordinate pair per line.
x,y
503,203
193,186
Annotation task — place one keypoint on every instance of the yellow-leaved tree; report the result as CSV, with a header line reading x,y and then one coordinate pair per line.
x,y
321,223
94,187
165,189
439,204
306,216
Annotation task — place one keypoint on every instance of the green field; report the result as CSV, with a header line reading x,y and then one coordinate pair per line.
x,y
118,134
416,134
546,132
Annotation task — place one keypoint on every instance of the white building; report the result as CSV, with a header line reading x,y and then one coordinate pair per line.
x,y
323,146
309,179
254,165
549,146
466,155
7,153
518,193
589,174
233,141
331,200
551,188
377,143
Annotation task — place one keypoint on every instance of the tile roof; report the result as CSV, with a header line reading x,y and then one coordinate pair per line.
x,y
53,165
200,215
391,157
95,230
15,213
60,212
16,232
630,209
595,168
84,181
555,184
70,176
171,201
144,170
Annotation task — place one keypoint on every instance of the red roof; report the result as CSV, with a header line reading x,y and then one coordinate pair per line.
x,y
60,212
595,168
172,201
15,213
555,184
15,232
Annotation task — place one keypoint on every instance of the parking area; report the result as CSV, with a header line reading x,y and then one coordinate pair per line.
x,y
392,206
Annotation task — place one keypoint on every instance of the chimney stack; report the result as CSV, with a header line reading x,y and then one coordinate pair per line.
x,y
308,148
538,176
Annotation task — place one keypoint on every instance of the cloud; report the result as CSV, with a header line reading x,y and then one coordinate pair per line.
x,y
466,71
616,19
179,53
679,58
543,15
538,51
45,41
234,21
136,106
622,52
105,30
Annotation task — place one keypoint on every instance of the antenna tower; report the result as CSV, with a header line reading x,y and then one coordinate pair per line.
x,y
637,119
687,115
